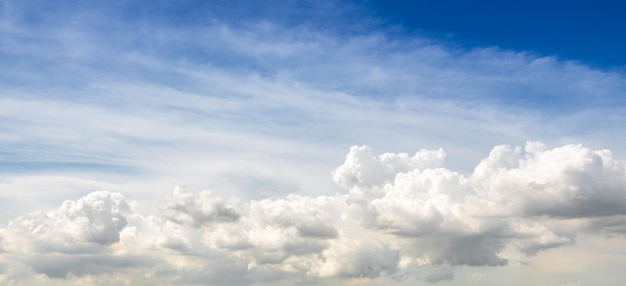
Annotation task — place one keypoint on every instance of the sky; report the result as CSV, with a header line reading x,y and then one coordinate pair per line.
x,y
312,142
579,30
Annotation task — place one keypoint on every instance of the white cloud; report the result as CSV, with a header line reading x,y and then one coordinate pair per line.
x,y
420,215
196,210
300,94
359,258
569,181
74,239
361,169
92,221
260,112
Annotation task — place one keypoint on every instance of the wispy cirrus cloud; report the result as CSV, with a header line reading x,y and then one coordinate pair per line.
x,y
260,109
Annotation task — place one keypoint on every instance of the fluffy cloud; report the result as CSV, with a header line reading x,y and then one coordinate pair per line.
x,y
359,258
362,169
397,212
78,238
191,209
569,181
80,226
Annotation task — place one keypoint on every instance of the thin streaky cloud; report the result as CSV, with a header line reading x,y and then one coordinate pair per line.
x,y
272,128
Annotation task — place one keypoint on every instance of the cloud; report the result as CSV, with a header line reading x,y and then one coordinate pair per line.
x,y
136,100
444,273
570,181
361,169
359,258
93,221
195,210
416,210
77,238
303,93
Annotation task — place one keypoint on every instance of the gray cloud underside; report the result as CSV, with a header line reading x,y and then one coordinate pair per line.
x,y
93,100
398,212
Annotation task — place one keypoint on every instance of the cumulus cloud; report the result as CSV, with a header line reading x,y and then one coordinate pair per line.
x,y
75,239
82,115
93,221
397,212
569,181
359,258
362,169
193,209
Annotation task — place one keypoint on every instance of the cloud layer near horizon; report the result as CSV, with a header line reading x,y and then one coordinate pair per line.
x,y
400,217
259,104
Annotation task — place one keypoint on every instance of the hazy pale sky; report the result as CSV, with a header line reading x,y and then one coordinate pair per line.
x,y
312,142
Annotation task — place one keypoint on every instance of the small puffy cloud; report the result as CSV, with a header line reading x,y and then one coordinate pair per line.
x,y
80,226
362,169
197,209
76,239
311,217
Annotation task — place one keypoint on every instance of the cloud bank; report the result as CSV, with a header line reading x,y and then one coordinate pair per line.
x,y
259,102
114,95
400,217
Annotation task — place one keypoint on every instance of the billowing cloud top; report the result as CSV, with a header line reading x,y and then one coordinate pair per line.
x,y
250,107
399,216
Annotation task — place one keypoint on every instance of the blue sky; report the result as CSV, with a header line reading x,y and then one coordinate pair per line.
x,y
585,31
309,142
